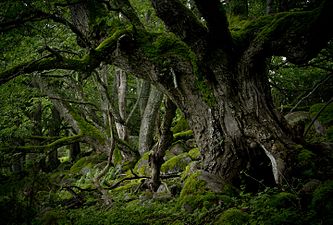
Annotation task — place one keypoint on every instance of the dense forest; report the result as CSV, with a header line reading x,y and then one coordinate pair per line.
x,y
166,112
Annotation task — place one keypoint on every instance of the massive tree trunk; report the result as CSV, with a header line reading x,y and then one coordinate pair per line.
x,y
216,76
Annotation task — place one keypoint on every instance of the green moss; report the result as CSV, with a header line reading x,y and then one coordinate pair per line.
x,y
179,123
194,153
183,135
329,133
176,164
141,167
322,200
88,129
233,216
87,162
111,41
283,200
206,91
305,162
193,185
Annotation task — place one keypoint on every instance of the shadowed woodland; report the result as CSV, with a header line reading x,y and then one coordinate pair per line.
x,y
166,112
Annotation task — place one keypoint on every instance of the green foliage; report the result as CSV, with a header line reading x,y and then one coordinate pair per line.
x,y
322,202
274,208
233,216
326,116
306,163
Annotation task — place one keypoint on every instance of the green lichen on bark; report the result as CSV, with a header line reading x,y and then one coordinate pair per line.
x,y
88,129
111,42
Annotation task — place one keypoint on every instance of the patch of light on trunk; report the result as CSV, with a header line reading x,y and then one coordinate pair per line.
x,y
274,164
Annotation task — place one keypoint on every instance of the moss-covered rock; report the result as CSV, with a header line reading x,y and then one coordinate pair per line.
x,y
176,164
191,168
177,148
194,154
87,162
194,193
295,118
142,166
184,135
232,216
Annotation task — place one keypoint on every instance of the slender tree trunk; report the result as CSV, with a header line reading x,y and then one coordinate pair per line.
x,y
121,79
55,123
143,90
165,141
148,121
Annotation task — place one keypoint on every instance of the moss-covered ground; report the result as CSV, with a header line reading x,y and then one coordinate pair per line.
x,y
68,195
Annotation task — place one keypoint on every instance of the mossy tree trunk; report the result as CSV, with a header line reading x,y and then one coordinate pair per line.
x,y
165,141
54,131
216,76
148,121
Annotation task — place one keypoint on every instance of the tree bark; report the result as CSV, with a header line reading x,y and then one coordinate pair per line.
x,y
55,124
165,141
148,122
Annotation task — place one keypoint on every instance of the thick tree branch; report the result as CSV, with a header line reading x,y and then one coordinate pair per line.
x,y
297,35
45,63
87,63
181,21
126,8
53,146
217,22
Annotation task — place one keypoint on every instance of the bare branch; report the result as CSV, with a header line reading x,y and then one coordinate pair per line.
x,y
297,35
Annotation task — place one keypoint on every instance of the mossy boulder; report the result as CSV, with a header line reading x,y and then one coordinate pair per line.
x,y
86,163
298,118
195,154
232,216
176,164
191,168
194,193
177,148
142,166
